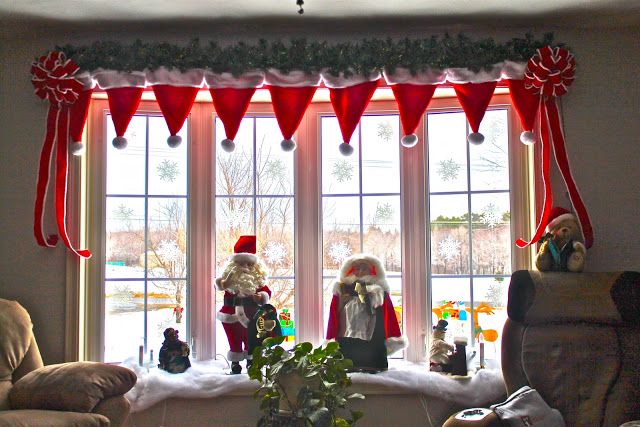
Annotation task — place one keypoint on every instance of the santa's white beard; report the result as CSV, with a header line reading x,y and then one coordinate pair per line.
x,y
244,281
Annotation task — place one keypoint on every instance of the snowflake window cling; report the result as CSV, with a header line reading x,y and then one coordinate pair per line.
x,y
339,252
275,253
449,248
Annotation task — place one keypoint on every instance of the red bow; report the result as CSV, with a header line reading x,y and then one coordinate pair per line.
x,y
53,79
549,74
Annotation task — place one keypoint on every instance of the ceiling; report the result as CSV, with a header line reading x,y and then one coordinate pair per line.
x,y
535,11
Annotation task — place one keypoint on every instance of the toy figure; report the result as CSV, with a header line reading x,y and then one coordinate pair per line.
x,y
440,349
242,281
361,317
561,249
265,324
174,354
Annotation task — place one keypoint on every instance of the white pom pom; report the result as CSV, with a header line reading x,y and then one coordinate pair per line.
x,y
528,137
228,145
76,148
345,149
174,140
475,138
288,144
120,142
409,140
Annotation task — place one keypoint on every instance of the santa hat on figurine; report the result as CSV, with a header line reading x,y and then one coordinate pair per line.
x,y
557,215
245,250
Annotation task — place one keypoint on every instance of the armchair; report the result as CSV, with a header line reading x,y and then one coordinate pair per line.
x,y
575,338
68,394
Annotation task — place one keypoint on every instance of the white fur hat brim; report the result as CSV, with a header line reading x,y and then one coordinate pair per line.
x,y
244,257
557,220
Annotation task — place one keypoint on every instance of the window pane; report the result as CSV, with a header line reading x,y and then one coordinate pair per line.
x,y
234,171
339,172
447,140
449,220
167,166
124,319
340,231
382,230
274,165
490,303
166,308
125,237
491,235
167,245
380,154
283,298
234,217
450,300
127,167
276,234
490,160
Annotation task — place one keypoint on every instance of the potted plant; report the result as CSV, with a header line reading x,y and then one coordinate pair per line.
x,y
304,386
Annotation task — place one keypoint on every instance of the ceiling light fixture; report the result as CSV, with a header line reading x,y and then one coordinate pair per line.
x,y
300,3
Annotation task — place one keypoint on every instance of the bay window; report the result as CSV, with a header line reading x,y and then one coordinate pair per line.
x,y
161,222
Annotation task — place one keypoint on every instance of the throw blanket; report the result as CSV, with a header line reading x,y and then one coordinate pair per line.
x,y
209,379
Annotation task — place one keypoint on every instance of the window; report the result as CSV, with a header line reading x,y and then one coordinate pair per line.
x,y
470,233
163,221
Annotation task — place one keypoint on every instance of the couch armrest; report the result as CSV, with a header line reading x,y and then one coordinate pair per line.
x,y
76,386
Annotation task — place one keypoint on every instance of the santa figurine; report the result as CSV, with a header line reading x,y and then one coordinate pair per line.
x,y
242,281
361,317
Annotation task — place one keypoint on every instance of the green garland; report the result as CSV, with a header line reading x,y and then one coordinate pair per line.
x,y
309,56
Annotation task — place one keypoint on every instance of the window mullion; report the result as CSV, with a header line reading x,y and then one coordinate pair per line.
x,y
201,211
415,296
308,232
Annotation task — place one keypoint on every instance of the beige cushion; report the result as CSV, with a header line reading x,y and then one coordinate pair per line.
x,y
77,386
15,336
35,418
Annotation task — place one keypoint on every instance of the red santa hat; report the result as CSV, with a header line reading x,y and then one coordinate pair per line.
x,y
557,215
245,250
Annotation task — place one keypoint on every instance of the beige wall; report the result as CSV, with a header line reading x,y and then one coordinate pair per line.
x,y
601,118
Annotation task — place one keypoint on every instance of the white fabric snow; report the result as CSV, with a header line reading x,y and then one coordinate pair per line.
x,y
210,378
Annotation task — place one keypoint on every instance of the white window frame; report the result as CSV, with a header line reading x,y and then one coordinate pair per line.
x,y
85,279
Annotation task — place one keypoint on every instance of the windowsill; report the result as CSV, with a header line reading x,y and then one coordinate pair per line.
x,y
210,379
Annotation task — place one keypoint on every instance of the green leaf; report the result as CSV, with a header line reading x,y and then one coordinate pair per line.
x,y
332,347
356,396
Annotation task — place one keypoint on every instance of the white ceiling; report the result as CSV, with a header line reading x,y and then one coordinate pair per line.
x,y
157,10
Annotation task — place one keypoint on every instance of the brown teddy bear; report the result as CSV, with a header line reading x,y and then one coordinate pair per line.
x,y
561,248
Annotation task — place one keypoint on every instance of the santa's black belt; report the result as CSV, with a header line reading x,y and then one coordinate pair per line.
x,y
235,301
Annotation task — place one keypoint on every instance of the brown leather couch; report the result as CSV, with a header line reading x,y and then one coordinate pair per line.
x,y
575,338
76,394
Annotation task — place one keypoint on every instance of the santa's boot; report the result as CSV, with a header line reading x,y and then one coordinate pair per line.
x,y
236,368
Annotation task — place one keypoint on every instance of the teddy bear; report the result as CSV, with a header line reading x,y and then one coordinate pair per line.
x,y
561,248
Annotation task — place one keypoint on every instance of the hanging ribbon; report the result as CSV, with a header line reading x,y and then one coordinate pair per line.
x,y
549,73
54,80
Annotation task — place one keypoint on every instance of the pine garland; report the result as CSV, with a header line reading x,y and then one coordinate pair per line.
x,y
436,52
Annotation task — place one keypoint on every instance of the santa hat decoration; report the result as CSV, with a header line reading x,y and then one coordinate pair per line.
x,y
77,118
349,104
245,249
231,97
475,98
291,94
526,105
175,102
413,101
557,215
231,104
289,105
123,103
